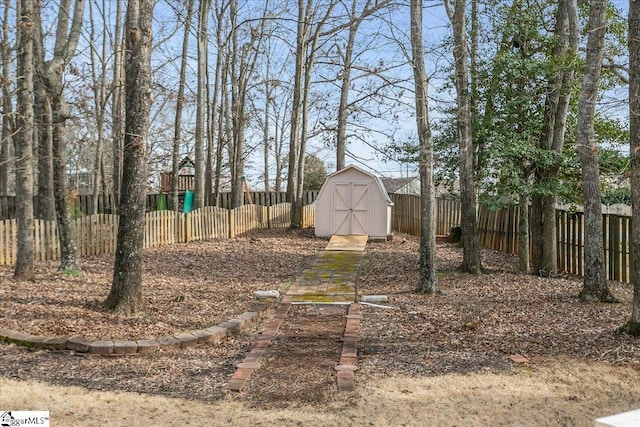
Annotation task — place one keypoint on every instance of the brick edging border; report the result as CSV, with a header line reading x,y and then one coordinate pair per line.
x,y
213,334
345,370
252,359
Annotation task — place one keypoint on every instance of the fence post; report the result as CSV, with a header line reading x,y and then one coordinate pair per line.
x,y
187,227
268,214
232,224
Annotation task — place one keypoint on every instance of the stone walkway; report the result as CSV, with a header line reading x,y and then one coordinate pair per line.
x,y
331,278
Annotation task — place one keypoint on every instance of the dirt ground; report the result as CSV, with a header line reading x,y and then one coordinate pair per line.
x,y
500,349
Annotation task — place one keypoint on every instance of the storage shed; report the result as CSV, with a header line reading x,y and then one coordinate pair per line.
x,y
353,201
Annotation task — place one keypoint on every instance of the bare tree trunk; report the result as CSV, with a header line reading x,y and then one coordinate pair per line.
x,y
279,141
51,73
543,223
243,63
595,285
345,83
6,137
633,326
221,139
474,33
175,152
100,102
471,248
202,100
211,141
45,207
214,150
68,250
523,234
118,112
296,206
294,134
428,278
280,126
309,46
224,127
126,289
237,140
24,143
219,91
266,129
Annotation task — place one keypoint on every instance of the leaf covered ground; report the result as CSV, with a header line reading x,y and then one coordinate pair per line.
x,y
420,346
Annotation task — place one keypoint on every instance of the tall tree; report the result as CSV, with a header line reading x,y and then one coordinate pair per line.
x,y
100,100
126,289
242,65
281,112
311,22
561,80
304,15
220,82
633,326
272,74
24,142
45,207
428,278
177,124
595,285
6,136
486,109
471,247
51,73
202,101
213,143
117,108
266,128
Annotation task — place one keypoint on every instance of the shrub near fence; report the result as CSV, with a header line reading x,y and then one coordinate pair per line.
x,y
97,234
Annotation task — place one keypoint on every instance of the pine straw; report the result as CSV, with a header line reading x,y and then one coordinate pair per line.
x,y
478,321
185,287
457,343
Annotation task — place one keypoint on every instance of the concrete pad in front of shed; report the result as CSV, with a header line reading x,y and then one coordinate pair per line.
x,y
351,242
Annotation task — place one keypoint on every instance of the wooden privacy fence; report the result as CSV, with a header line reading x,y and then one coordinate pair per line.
x,y
97,234
498,230
616,235
406,214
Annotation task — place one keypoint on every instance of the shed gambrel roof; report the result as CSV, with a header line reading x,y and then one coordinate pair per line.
x,y
375,179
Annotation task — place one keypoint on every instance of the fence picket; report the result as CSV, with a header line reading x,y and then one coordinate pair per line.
x,y
97,234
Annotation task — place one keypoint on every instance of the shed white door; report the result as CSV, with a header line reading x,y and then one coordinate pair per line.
x,y
350,208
